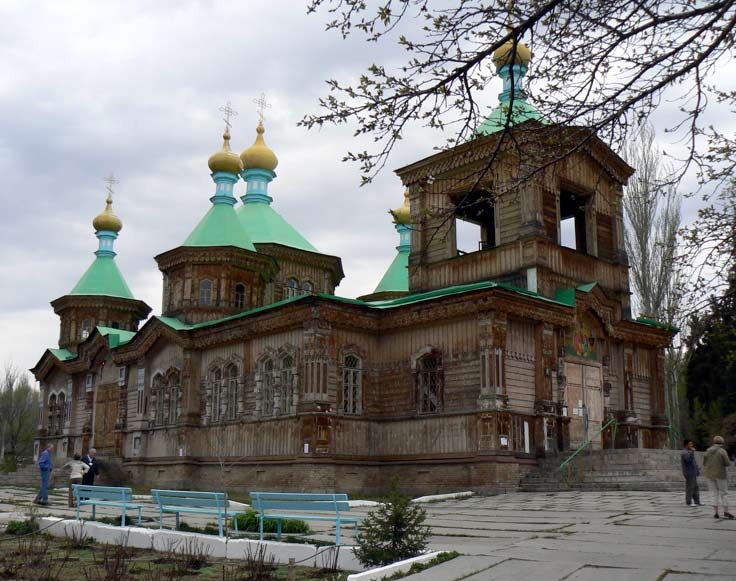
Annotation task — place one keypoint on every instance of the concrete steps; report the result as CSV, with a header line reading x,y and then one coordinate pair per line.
x,y
648,470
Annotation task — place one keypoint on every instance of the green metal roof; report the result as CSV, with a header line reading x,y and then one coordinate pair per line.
x,y
521,111
103,277
264,224
385,304
220,227
396,278
63,354
116,337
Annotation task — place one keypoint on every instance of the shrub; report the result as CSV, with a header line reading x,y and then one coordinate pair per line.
x,y
392,532
21,527
248,523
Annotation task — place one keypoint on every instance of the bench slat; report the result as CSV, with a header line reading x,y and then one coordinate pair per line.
x,y
298,496
210,503
314,517
306,506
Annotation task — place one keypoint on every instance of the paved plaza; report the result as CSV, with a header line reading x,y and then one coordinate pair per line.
x,y
563,535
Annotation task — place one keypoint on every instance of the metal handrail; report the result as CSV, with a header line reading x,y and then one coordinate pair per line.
x,y
567,460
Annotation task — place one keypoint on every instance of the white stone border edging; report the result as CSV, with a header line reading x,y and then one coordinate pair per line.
x,y
438,497
164,539
388,570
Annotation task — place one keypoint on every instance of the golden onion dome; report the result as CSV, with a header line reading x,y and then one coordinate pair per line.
x,y
504,54
402,215
107,220
225,159
259,155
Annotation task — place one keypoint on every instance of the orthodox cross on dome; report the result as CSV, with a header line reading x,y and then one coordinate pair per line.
x,y
111,182
262,106
228,112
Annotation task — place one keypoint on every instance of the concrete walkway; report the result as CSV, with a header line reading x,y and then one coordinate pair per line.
x,y
579,536
563,535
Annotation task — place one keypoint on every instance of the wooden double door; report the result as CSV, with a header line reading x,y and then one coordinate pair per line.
x,y
106,440
584,398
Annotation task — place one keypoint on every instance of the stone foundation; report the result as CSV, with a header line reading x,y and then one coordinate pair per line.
x,y
417,477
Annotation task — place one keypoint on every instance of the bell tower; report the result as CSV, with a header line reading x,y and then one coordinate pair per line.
x,y
101,297
217,271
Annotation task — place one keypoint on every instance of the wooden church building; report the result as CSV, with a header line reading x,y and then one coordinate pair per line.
x,y
459,371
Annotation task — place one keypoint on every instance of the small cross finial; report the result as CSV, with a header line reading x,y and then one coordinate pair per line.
x,y
262,106
111,182
229,112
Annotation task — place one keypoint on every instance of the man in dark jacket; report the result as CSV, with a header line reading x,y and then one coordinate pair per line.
x,y
691,472
89,459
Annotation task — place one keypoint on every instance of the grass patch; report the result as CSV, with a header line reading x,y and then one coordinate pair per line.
x,y
249,523
21,527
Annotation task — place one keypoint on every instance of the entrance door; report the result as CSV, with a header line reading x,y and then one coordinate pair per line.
x,y
106,412
584,398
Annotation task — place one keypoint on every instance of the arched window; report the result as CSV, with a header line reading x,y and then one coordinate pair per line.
x,y
352,379
307,287
429,384
287,384
292,286
231,373
216,389
61,410
267,388
205,293
239,296
174,392
157,398
52,411
86,328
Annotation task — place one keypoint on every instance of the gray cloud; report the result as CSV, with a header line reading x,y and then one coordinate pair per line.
x,y
89,87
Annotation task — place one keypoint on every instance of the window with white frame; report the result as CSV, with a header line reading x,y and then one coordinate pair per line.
x,y
89,382
86,328
307,287
492,369
205,293
267,387
121,375
231,374
429,384
239,296
352,378
292,288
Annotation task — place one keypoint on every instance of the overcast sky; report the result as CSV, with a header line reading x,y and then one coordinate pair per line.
x,y
89,88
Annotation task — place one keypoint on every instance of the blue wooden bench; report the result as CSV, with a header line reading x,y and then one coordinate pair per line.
x,y
282,505
179,501
115,496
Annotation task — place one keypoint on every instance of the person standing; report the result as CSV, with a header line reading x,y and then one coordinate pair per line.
x,y
714,464
46,465
79,469
91,462
691,472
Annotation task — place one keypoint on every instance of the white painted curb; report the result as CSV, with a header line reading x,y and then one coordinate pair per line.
x,y
359,503
436,497
392,569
